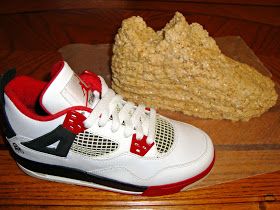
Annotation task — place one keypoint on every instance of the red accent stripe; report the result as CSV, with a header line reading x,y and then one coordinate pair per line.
x,y
74,122
140,147
178,186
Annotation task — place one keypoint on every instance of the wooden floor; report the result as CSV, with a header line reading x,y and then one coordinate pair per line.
x,y
31,32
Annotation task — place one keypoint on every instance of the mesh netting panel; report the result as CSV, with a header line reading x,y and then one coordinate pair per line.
x,y
92,145
164,135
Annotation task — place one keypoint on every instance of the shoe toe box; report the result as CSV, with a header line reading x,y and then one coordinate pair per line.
x,y
191,154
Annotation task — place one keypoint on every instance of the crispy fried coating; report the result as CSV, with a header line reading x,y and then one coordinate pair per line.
x,y
181,68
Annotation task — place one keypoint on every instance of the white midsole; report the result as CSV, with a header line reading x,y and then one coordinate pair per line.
x,y
73,181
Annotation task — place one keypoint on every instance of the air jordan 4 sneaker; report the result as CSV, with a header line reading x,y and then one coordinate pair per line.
x,y
75,129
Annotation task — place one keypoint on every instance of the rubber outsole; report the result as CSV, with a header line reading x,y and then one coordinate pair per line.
x,y
178,186
72,181
127,188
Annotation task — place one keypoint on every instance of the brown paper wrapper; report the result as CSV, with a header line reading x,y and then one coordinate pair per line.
x,y
243,149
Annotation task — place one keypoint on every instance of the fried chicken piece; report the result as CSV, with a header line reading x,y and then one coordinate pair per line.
x,y
181,68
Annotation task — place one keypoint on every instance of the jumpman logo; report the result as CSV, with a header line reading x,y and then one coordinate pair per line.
x,y
85,90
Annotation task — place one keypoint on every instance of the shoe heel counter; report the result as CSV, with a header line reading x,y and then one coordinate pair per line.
x,y
4,80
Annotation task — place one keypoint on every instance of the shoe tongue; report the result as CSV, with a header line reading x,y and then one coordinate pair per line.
x,y
66,89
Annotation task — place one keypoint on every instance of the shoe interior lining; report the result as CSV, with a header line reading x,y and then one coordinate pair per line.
x,y
25,92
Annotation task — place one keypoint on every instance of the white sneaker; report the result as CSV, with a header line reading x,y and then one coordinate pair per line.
x,y
76,130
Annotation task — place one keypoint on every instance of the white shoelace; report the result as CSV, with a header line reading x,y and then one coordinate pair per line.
x,y
136,119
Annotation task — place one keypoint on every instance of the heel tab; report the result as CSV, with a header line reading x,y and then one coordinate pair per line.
x,y
4,80
7,76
